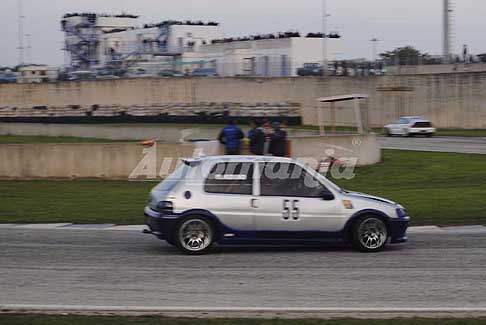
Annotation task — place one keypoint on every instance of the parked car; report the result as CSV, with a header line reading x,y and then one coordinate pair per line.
x,y
205,72
81,75
245,200
141,73
410,126
310,69
170,73
8,77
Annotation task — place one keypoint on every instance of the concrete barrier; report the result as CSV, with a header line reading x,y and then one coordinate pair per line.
x,y
131,160
167,133
105,161
455,100
361,149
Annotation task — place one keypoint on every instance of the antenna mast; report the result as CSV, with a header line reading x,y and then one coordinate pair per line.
x,y
21,33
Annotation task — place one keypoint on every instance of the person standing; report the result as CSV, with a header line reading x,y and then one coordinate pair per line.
x,y
257,138
231,136
278,141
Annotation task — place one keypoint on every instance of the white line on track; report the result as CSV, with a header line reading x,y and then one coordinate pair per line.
x,y
108,227
85,308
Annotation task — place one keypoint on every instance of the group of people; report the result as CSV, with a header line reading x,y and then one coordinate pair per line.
x,y
263,138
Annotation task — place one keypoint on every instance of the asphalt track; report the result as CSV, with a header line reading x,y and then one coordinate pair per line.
x,y
439,144
95,270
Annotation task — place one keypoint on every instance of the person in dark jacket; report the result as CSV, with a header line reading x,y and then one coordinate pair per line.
x,y
231,136
257,138
278,141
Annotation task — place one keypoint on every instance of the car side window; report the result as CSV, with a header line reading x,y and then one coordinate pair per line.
x,y
289,180
230,178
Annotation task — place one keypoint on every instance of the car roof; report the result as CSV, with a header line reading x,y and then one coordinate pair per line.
x,y
415,118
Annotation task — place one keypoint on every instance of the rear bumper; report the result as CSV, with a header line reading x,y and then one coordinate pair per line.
x,y
159,224
422,131
398,230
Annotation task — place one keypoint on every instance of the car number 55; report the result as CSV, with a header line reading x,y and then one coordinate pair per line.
x,y
291,210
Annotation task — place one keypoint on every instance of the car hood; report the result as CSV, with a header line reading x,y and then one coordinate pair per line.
x,y
369,197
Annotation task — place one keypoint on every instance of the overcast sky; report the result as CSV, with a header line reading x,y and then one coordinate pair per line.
x,y
395,23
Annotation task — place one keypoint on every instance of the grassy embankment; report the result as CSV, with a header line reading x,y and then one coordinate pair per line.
x,y
437,189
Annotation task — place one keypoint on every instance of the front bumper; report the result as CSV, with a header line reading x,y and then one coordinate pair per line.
x,y
398,229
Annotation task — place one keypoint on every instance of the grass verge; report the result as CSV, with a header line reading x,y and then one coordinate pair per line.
x,y
18,139
436,188
153,320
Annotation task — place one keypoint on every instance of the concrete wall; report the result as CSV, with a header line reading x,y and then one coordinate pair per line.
x,y
364,148
163,133
450,100
436,68
131,160
107,161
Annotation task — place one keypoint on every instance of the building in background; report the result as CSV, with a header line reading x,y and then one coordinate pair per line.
x,y
271,55
83,33
187,47
36,74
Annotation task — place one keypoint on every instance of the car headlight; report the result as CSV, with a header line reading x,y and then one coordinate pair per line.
x,y
165,206
401,212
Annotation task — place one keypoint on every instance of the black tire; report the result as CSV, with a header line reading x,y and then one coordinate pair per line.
x,y
203,235
366,243
170,242
387,132
430,135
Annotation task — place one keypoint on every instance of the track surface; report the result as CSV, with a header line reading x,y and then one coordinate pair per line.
x,y
441,144
126,268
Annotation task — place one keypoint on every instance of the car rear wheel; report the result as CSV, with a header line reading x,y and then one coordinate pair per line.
x,y
194,236
370,234
387,132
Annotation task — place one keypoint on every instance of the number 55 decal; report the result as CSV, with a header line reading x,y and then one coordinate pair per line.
x,y
291,210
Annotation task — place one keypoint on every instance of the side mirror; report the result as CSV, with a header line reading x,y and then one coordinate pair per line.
x,y
327,195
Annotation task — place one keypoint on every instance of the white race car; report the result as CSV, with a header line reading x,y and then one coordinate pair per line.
x,y
251,200
410,126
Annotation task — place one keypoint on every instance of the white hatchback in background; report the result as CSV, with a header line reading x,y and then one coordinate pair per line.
x,y
410,126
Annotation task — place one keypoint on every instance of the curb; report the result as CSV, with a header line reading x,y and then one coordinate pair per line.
x,y
140,228
84,308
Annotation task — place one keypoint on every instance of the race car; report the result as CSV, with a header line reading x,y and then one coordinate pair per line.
x,y
410,126
254,200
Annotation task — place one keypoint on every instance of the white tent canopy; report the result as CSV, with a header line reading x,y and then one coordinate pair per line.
x,y
332,100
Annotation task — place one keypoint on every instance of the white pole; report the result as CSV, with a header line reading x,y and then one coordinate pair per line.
x,y
375,49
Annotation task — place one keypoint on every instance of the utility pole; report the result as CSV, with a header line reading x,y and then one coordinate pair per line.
x,y
21,32
374,51
324,37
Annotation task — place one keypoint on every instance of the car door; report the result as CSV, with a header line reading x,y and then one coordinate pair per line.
x,y
228,194
291,203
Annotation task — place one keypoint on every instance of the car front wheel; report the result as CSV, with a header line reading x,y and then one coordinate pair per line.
x,y
370,234
194,236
